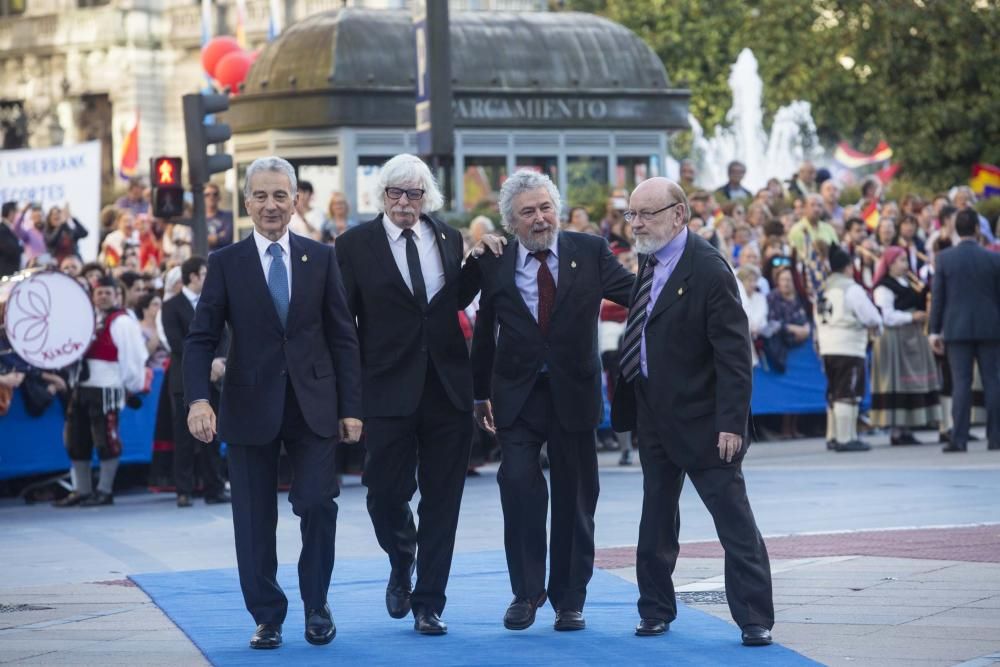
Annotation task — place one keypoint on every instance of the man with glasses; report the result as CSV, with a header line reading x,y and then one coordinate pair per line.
x,y
220,222
684,386
405,285
539,380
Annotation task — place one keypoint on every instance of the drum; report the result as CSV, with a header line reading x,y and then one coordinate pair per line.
x,y
47,317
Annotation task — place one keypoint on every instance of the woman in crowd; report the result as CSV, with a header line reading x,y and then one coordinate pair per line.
x,y
788,310
147,311
337,219
124,236
62,233
754,303
904,375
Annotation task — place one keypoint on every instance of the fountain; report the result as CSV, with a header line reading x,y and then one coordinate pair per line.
x,y
792,139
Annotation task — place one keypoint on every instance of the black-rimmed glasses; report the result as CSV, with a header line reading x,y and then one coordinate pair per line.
x,y
646,216
413,194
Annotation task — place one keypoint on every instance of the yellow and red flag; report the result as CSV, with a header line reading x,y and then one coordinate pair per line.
x,y
128,166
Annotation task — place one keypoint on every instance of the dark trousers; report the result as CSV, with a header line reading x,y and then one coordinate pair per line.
x,y
253,477
961,355
524,497
723,490
428,450
191,456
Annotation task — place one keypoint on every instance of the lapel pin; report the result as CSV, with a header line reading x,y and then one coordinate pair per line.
x,y
572,264
305,258
680,290
443,237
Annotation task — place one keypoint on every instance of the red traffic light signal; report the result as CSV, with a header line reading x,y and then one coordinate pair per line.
x,y
166,172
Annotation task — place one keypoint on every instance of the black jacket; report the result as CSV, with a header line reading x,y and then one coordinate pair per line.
x,y
317,352
397,337
177,315
965,297
506,364
698,357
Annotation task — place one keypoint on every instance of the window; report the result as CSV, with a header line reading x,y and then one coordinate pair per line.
x,y
481,182
586,180
634,170
366,176
91,3
324,176
543,165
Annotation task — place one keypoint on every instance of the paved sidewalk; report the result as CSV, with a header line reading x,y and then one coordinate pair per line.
x,y
862,576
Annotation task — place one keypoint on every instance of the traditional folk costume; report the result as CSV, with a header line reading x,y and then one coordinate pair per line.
x,y
904,374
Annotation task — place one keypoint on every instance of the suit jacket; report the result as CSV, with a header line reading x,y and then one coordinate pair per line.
x,y
177,315
966,288
397,336
506,365
698,359
317,351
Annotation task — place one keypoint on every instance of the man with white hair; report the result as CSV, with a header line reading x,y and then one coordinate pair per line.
x,y
405,285
538,381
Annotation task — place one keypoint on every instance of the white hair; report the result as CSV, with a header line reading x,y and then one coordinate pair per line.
x,y
486,223
404,170
524,180
270,163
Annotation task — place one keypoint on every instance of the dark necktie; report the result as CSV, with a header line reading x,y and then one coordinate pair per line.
x,y
546,291
413,264
277,283
632,344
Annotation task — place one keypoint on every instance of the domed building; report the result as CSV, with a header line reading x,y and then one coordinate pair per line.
x,y
574,95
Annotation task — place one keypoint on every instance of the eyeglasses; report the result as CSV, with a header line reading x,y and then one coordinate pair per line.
x,y
413,194
646,216
211,193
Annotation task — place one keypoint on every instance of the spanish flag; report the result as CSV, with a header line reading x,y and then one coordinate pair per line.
x,y
855,159
985,180
129,164
871,216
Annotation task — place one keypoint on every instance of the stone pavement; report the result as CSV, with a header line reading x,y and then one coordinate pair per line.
x,y
888,557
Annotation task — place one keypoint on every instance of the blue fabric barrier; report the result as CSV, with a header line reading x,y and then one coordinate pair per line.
x,y
208,607
801,389
34,445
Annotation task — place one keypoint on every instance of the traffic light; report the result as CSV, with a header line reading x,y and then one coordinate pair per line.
x,y
168,191
201,135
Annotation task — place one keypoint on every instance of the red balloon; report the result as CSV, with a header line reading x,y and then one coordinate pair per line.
x,y
213,52
232,69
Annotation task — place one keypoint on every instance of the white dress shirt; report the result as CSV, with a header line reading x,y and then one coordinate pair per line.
x,y
526,273
130,369
263,243
886,301
190,296
430,257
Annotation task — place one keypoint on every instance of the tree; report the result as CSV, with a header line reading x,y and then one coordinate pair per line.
x,y
913,72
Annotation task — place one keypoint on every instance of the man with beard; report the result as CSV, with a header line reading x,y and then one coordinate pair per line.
x,y
539,381
114,365
405,285
684,384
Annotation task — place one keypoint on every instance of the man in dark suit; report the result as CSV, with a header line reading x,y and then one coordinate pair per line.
x,y
293,378
539,381
405,285
965,321
684,386
189,455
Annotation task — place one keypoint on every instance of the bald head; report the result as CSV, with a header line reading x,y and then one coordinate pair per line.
x,y
658,211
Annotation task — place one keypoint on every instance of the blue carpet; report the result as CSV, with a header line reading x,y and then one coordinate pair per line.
x,y
208,607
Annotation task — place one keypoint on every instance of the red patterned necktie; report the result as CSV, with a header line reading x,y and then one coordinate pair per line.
x,y
546,291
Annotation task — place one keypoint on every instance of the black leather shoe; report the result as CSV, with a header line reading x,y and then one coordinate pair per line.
x,y
72,500
756,635
183,500
952,449
944,437
268,635
319,626
218,498
992,447
651,627
567,620
397,593
98,498
521,612
853,446
904,439
426,622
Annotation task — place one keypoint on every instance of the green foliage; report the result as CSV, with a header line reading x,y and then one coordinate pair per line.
x,y
916,73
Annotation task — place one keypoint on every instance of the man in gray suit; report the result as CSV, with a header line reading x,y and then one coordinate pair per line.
x,y
965,320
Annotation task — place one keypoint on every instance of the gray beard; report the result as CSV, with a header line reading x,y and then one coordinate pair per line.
x,y
532,245
648,246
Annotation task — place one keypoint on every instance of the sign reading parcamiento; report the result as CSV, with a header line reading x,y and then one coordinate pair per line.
x,y
529,109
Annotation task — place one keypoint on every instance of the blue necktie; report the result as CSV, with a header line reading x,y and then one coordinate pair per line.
x,y
277,283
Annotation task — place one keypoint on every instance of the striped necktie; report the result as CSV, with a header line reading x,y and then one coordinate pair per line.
x,y
632,344
277,283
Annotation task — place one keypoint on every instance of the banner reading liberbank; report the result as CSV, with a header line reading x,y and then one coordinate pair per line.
x,y
57,177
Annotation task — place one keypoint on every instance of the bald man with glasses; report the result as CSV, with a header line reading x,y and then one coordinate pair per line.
x,y
684,386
